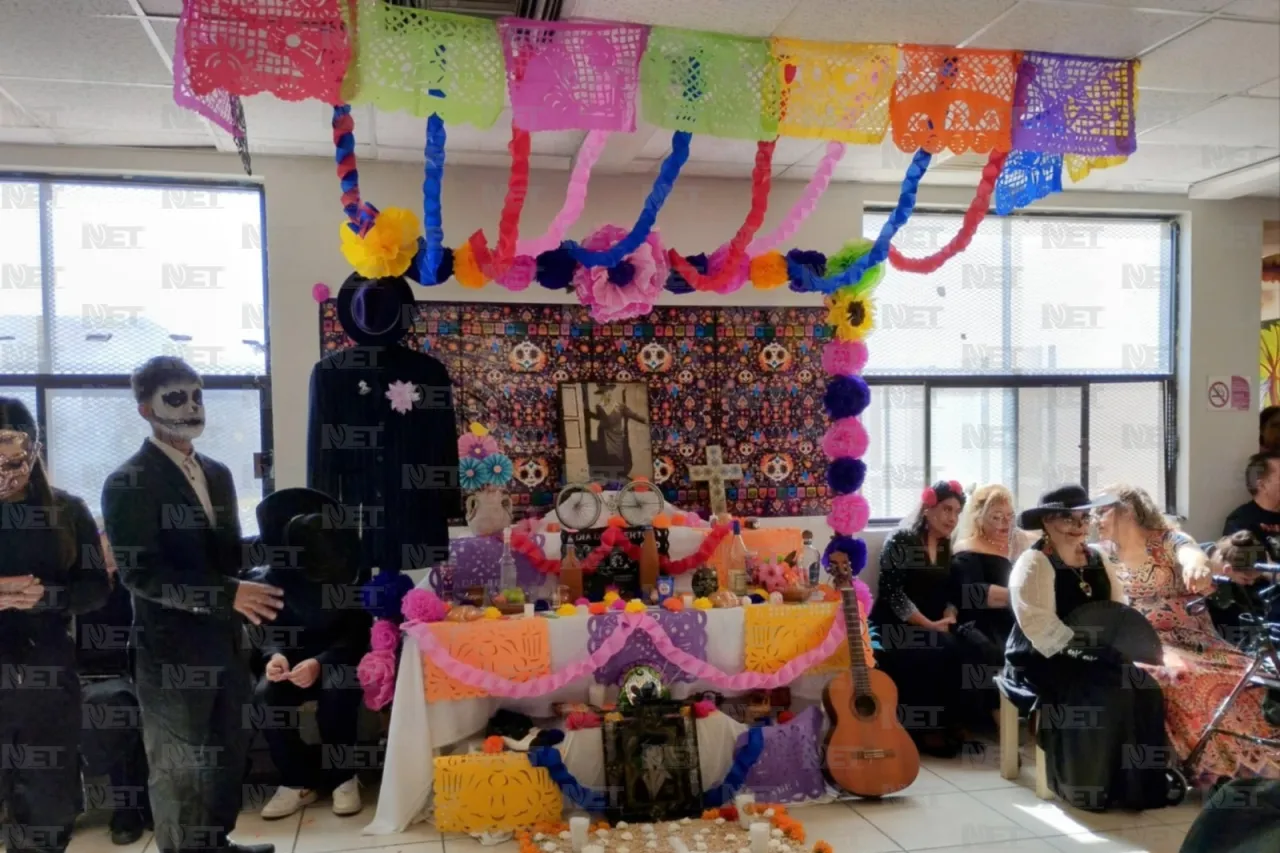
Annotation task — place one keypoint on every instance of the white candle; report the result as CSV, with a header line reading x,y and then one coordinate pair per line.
x,y
578,827
741,802
596,695
759,833
529,609
677,845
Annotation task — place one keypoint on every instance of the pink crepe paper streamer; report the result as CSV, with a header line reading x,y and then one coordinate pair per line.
x,y
575,197
804,206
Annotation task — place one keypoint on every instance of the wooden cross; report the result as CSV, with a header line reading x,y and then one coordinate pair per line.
x,y
715,474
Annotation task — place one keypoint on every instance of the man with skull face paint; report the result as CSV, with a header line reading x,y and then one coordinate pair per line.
x,y
51,568
171,516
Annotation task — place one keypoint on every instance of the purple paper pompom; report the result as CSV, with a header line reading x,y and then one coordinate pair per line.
x,y
622,273
854,549
845,475
555,269
846,397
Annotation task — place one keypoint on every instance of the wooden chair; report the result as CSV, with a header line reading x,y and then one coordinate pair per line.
x,y
1010,757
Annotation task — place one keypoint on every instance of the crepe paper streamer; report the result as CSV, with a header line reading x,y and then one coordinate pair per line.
x,y
1027,177
294,51
835,91
580,795
804,206
661,189
217,106
495,685
573,75
968,227
495,265
428,268
761,181
802,274
377,675
954,98
426,62
710,83
1075,105
320,291
575,196
344,144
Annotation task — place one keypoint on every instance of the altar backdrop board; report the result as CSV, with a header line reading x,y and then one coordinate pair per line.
x,y
747,379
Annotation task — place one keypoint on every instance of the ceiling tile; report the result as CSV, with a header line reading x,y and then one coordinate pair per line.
x,y
1220,56
1189,163
873,21
26,136
1085,30
162,7
742,17
1157,107
64,41
269,118
1267,90
140,110
1267,10
1244,121
705,149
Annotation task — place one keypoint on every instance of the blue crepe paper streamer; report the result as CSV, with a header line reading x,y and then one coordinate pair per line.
x,y
345,147
1027,176
880,249
432,219
743,761
653,204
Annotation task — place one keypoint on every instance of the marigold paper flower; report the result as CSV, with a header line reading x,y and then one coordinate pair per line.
x,y
402,396
387,248
702,604
769,271
648,275
466,269
850,314
493,744
477,446
496,470
470,472
566,610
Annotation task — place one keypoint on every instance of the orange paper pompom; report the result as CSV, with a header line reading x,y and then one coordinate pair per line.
x,y
660,521
493,744
769,271
675,605
597,608
466,269
616,521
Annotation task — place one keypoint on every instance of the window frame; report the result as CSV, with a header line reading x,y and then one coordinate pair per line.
x,y
1166,380
43,380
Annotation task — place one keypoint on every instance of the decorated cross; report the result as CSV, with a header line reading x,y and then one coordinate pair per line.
x,y
715,474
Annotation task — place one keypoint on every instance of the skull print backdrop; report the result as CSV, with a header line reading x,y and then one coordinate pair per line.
x,y
177,409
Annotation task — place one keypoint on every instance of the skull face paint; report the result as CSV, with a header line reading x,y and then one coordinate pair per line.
x,y
16,456
177,409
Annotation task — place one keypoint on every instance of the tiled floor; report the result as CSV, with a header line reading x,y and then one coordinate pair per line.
x,y
960,804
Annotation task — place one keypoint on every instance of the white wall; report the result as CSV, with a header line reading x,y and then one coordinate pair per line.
x,y
1218,307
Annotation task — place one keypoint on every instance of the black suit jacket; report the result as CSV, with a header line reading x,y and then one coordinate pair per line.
x,y
396,474
181,566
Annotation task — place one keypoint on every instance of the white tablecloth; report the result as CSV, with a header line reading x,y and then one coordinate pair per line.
x,y
419,729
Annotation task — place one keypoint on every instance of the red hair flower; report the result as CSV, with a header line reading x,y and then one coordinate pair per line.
x,y
956,487
929,498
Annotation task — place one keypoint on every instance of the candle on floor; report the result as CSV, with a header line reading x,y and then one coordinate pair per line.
x,y
759,833
741,802
578,827
677,845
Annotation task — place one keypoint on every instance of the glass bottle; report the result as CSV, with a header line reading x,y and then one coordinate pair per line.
x,y
507,575
740,560
810,559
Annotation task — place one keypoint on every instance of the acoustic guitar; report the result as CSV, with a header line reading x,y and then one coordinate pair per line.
x,y
868,752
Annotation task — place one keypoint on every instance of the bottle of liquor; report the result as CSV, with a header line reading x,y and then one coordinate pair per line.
x,y
507,576
740,560
571,575
810,559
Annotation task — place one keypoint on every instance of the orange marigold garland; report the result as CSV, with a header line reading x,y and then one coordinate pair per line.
x,y
769,271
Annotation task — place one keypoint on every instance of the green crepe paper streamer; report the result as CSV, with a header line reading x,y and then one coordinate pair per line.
x,y
847,257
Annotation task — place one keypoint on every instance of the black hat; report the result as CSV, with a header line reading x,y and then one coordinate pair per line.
x,y
1061,500
375,312
315,523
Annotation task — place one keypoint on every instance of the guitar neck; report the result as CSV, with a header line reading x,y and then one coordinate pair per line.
x,y
857,650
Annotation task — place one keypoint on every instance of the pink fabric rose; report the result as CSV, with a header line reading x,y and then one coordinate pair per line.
x,y
849,514
423,605
844,358
384,636
609,301
377,674
845,437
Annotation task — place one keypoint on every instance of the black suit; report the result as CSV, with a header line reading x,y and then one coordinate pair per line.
x,y
192,655
397,474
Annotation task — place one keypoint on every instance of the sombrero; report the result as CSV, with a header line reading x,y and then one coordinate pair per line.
x,y
375,312
1064,499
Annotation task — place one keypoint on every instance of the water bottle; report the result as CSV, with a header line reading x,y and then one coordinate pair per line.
x,y
810,558
507,576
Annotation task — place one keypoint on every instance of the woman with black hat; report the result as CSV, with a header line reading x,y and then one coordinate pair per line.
x,y
1100,720
52,568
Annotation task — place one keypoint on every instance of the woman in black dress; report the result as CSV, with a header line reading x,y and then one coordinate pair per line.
x,y
1100,719
912,619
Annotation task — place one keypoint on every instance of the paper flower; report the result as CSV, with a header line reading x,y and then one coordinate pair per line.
x,y
850,314
387,248
466,269
611,596
384,636
597,608
635,605
377,676
769,271
613,296
846,397
618,604
845,475
772,576
854,549
555,269
673,604
566,610
847,256
845,437
470,472
844,358
702,604
402,396
496,470
477,446
493,744
849,514
423,605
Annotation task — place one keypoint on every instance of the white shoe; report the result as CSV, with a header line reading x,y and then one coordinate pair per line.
x,y
287,801
346,798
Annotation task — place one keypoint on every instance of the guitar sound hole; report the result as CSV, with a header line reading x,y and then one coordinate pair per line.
x,y
865,706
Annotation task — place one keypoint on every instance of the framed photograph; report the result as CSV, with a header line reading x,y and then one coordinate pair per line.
x,y
604,428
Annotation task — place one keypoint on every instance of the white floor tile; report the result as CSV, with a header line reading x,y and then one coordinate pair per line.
x,y
1025,845
974,769
1052,817
252,829
927,782
843,828
940,820
324,832
1146,839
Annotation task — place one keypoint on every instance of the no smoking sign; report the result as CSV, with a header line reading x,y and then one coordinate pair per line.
x,y
1229,394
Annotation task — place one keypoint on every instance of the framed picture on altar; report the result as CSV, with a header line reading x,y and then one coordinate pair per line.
x,y
604,429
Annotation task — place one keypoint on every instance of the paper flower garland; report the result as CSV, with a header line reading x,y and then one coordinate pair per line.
x,y
387,247
629,288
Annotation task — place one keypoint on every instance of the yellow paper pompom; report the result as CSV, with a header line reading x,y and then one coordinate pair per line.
x,y
610,597
387,248
635,605
850,314
703,603
566,610
465,268
769,271
492,613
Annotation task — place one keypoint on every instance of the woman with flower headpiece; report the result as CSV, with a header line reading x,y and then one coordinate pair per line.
x,y
913,618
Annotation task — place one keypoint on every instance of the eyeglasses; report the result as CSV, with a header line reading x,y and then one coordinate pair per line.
x,y
1074,519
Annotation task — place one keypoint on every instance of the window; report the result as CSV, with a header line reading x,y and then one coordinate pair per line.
x,y
98,276
1040,356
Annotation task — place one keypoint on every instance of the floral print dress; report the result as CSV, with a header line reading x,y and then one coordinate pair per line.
x,y
1200,669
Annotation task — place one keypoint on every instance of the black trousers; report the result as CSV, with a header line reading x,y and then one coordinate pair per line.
x,y
111,745
197,742
39,755
301,765
944,680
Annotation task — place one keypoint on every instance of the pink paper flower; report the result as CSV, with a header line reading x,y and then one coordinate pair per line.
x,y
704,709
384,636
610,301
520,274
477,446
844,358
377,674
402,396
423,605
772,576
717,261
849,514
845,437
